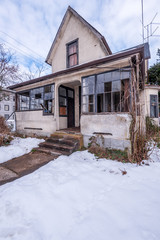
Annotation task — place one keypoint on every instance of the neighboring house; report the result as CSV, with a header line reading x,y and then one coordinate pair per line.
x,y
7,103
90,87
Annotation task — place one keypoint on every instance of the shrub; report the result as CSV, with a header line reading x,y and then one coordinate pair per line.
x,y
3,126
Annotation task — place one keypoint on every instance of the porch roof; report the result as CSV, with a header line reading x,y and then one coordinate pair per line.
x,y
143,49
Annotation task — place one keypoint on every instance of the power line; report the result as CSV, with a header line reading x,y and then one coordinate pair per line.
x,y
23,52
22,44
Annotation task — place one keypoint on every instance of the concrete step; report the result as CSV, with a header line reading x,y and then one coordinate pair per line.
x,y
73,137
53,152
56,146
65,141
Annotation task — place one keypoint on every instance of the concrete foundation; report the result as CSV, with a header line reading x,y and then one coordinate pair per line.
x,y
111,130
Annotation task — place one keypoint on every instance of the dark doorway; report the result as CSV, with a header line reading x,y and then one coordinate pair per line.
x,y
79,103
70,112
66,105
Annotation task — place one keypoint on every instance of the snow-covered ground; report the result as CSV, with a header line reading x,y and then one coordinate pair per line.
x,y
82,198
18,147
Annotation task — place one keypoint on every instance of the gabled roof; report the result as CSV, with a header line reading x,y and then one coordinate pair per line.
x,y
81,19
143,49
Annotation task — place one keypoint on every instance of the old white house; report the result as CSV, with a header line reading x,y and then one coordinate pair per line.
x,y
90,88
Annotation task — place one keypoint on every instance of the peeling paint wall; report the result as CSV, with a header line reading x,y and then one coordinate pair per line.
x,y
113,127
35,119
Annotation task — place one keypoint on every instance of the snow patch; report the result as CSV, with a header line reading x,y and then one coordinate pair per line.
x,y
18,147
81,197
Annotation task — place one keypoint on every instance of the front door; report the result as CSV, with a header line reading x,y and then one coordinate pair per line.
x,y
66,104
70,107
70,112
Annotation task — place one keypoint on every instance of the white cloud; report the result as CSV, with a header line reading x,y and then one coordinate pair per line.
x,y
35,23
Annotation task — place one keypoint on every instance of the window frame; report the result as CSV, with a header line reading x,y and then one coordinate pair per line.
x,y
155,105
76,41
5,108
38,109
61,105
102,94
67,89
87,95
6,116
7,97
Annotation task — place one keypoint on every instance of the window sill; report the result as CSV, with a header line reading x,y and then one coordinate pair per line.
x,y
104,113
48,114
29,110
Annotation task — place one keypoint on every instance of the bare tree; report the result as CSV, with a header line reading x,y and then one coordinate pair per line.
x,y
35,71
9,70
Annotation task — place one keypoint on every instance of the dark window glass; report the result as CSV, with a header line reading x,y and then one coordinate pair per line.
x,y
110,92
70,93
108,102
91,103
38,98
48,89
100,103
6,116
116,86
23,101
62,101
116,101
108,87
47,106
62,91
125,95
91,108
49,99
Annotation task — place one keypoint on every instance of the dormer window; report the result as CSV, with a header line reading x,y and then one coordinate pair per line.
x,y
72,53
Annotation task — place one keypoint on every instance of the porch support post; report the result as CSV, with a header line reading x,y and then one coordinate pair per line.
x,y
57,106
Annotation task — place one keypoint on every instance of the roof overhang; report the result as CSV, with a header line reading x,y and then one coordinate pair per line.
x,y
142,49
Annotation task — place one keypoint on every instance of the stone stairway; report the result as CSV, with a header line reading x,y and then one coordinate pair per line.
x,y
61,143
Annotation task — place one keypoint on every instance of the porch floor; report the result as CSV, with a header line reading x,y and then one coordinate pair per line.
x,y
73,130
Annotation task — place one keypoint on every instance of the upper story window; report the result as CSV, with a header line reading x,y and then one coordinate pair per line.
x,y
72,53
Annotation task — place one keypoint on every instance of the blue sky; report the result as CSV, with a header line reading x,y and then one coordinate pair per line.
x,y
35,23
